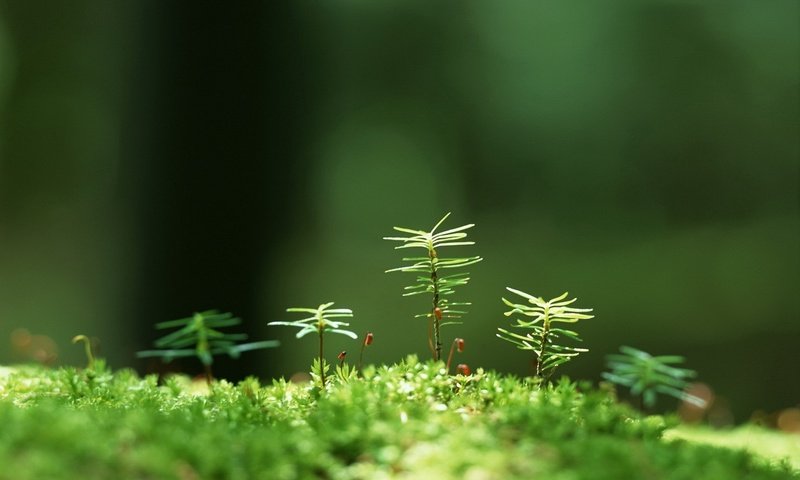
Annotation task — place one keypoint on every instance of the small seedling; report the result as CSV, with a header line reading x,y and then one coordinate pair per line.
x,y
544,335
646,376
201,331
430,279
320,322
458,344
87,345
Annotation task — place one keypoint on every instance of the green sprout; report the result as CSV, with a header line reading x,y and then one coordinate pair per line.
x,y
320,322
646,375
543,335
201,331
87,346
430,279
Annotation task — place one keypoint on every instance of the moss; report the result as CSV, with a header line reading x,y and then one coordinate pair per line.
x,y
408,420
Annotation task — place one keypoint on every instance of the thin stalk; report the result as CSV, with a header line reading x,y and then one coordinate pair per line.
x,y
545,335
87,345
639,399
437,342
361,357
367,341
450,355
202,346
209,376
430,335
321,359
458,344
534,363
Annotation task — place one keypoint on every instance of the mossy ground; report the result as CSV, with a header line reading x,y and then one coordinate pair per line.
x,y
771,445
409,420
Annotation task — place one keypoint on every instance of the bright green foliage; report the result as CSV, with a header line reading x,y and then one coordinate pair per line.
x,y
346,372
320,322
430,278
201,333
647,375
543,336
408,420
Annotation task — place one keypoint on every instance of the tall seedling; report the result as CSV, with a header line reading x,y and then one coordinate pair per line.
x,y
432,277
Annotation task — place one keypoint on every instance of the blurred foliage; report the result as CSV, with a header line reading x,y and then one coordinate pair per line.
x,y
643,155
647,376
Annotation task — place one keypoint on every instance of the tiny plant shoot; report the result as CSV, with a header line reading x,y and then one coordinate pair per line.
x,y
87,346
647,375
430,277
320,322
201,333
543,335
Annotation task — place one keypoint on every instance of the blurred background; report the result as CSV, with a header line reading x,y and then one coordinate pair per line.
x,y
159,158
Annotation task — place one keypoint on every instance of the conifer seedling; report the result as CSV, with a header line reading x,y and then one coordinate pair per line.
x,y
543,336
430,275
647,375
320,322
202,333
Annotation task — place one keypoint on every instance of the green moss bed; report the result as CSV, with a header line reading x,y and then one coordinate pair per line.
x,y
409,420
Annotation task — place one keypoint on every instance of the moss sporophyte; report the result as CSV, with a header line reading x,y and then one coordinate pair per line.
x,y
458,345
368,339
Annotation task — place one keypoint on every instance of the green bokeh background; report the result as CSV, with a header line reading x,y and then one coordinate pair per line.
x,y
162,157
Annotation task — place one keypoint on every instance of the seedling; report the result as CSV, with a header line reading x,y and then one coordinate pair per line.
x,y
320,322
87,345
201,331
646,376
458,344
543,335
430,279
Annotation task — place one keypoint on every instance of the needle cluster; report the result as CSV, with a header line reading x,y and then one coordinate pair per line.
x,y
200,336
543,335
